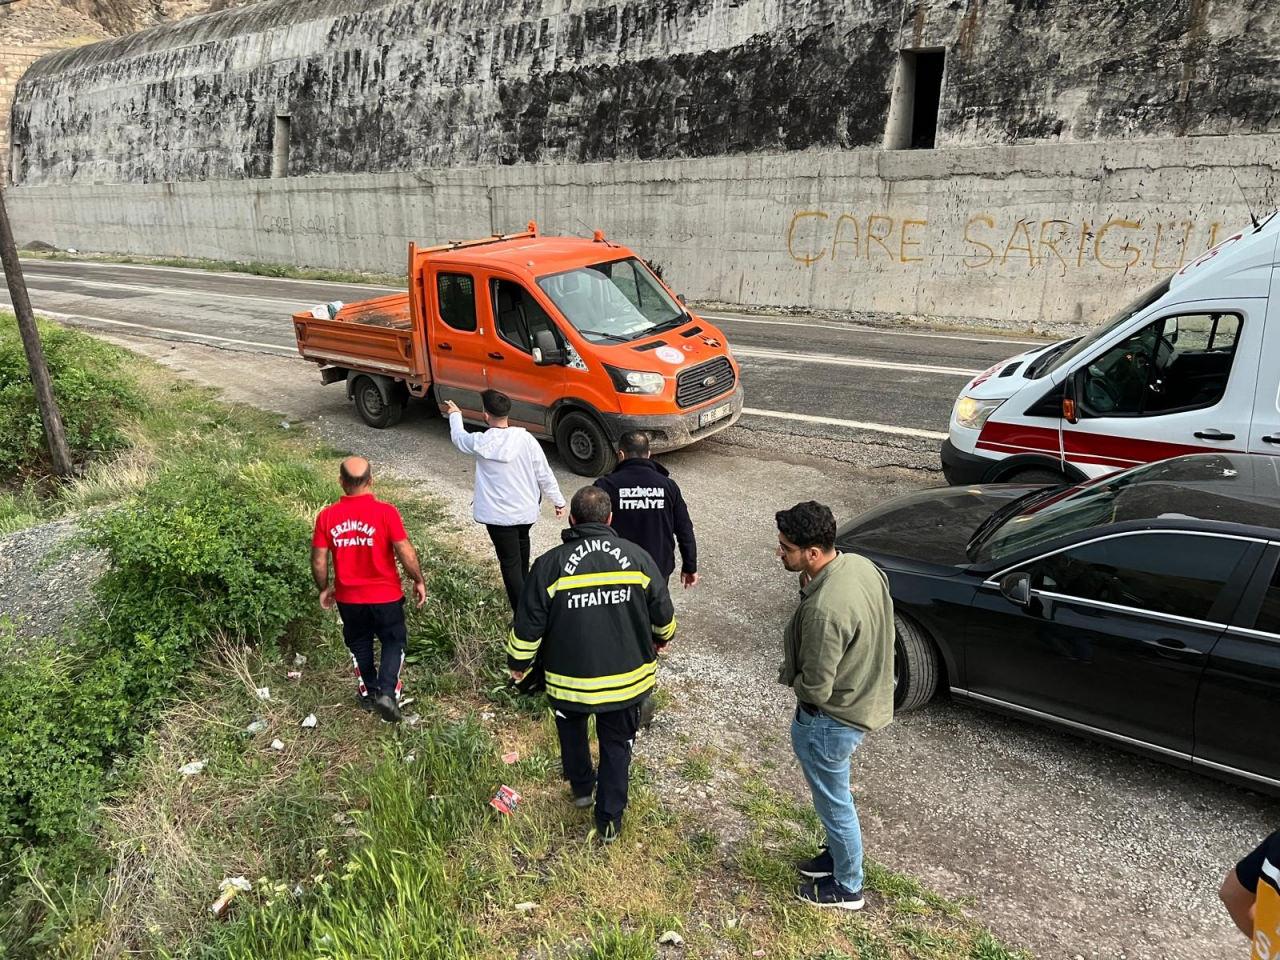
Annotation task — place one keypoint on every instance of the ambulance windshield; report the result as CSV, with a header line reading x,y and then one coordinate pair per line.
x,y
1085,343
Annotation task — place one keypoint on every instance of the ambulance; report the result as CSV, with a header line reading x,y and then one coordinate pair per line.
x,y
1190,366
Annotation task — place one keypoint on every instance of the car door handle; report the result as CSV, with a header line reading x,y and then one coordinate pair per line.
x,y
1170,645
1274,438
494,355
444,346
1213,434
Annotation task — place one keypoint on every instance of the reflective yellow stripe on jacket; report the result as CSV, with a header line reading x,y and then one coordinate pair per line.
x,y
663,634
597,690
608,578
518,649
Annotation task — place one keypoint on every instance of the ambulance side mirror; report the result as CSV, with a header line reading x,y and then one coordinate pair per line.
x,y
1070,391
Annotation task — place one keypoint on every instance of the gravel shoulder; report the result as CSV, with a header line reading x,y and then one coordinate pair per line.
x,y
1064,847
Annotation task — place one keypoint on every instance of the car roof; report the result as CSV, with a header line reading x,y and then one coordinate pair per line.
x,y
1226,493
1238,489
535,256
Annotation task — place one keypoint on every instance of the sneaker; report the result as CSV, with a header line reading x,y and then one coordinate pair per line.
x,y
583,802
608,833
827,892
387,707
815,868
364,703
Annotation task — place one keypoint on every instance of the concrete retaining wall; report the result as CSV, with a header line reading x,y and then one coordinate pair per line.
x,y
401,85
1037,235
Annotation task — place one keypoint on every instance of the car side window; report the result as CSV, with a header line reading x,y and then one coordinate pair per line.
x,y
457,300
1269,615
518,316
1175,363
1177,574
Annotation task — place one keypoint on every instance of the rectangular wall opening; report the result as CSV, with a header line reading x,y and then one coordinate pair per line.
x,y
917,94
280,147
15,163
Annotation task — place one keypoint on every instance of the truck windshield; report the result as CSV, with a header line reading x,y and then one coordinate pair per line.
x,y
1085,343
616,301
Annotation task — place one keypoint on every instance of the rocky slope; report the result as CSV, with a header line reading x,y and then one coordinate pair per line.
x,y
70,21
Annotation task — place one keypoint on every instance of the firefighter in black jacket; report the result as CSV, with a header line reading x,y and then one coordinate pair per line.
x,y
594,612
649,510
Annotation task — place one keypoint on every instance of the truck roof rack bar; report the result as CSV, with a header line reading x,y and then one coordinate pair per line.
x,y
528,233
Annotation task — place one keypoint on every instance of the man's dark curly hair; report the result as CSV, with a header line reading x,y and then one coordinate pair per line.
x,y
808,524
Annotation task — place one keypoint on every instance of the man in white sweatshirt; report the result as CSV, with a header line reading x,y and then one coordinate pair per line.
x,y
512,477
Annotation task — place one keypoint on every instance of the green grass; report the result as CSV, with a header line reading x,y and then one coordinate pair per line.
x,y
254,267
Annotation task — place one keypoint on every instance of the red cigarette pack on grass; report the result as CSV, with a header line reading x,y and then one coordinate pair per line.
x,y
505,800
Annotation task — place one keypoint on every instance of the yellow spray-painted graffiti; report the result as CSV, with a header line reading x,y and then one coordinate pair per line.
x,y
989,242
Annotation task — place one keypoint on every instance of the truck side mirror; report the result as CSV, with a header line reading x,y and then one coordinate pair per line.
x,y
1070,390
545,351
1016,588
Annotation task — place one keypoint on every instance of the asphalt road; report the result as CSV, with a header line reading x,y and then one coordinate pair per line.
x,y
830,380
1067,847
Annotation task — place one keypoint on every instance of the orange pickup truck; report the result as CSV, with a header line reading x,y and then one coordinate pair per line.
x,y
582,336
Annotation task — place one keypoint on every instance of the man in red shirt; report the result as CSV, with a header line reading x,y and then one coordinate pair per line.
x,y
365,537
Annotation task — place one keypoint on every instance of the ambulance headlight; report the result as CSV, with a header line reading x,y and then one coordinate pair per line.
x,y
636,381
973,413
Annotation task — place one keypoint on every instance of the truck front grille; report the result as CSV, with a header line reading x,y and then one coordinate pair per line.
x,y
704,382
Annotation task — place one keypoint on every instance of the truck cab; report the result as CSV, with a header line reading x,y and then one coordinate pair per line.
x,y
1191,366
582,335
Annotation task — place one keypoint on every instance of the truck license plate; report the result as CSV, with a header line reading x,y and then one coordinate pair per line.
x,y
714,414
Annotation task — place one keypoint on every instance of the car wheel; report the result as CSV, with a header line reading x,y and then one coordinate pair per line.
x,y
915,665
583,445
373,410
1034,475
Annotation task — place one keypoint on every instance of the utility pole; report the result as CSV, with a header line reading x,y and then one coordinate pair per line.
x,y
49,415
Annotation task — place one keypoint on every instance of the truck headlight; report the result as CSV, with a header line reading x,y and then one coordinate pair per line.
x,y
636,381
973,413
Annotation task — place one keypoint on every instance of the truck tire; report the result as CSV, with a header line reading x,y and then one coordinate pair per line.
x,y
584,446
915,665
374,410
1035,475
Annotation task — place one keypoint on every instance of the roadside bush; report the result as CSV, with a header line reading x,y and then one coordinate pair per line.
x,y
95,396
204,550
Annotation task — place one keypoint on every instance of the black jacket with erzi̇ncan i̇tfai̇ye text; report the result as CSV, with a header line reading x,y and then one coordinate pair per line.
x,y
592,611
649,509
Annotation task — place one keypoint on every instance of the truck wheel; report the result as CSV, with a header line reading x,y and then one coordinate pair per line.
x,y
915,665
584,446
1034,475
373,410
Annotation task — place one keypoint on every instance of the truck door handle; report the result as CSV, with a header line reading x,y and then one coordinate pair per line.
x,y
1213,434
444,346
494,355
1274,438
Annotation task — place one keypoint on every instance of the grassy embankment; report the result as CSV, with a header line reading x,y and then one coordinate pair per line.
x,y
361,840
254,267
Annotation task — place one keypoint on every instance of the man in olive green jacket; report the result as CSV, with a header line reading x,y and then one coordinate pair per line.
x,y
838,658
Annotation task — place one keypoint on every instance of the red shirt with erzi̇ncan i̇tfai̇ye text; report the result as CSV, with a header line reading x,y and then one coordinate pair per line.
x,y
359,531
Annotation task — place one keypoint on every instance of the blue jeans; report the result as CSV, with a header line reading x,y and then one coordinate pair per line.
x,y
824,747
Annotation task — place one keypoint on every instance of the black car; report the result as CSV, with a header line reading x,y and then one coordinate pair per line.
x,y
1143,608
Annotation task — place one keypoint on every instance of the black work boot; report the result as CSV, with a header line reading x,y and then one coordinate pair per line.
x,y
387,707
